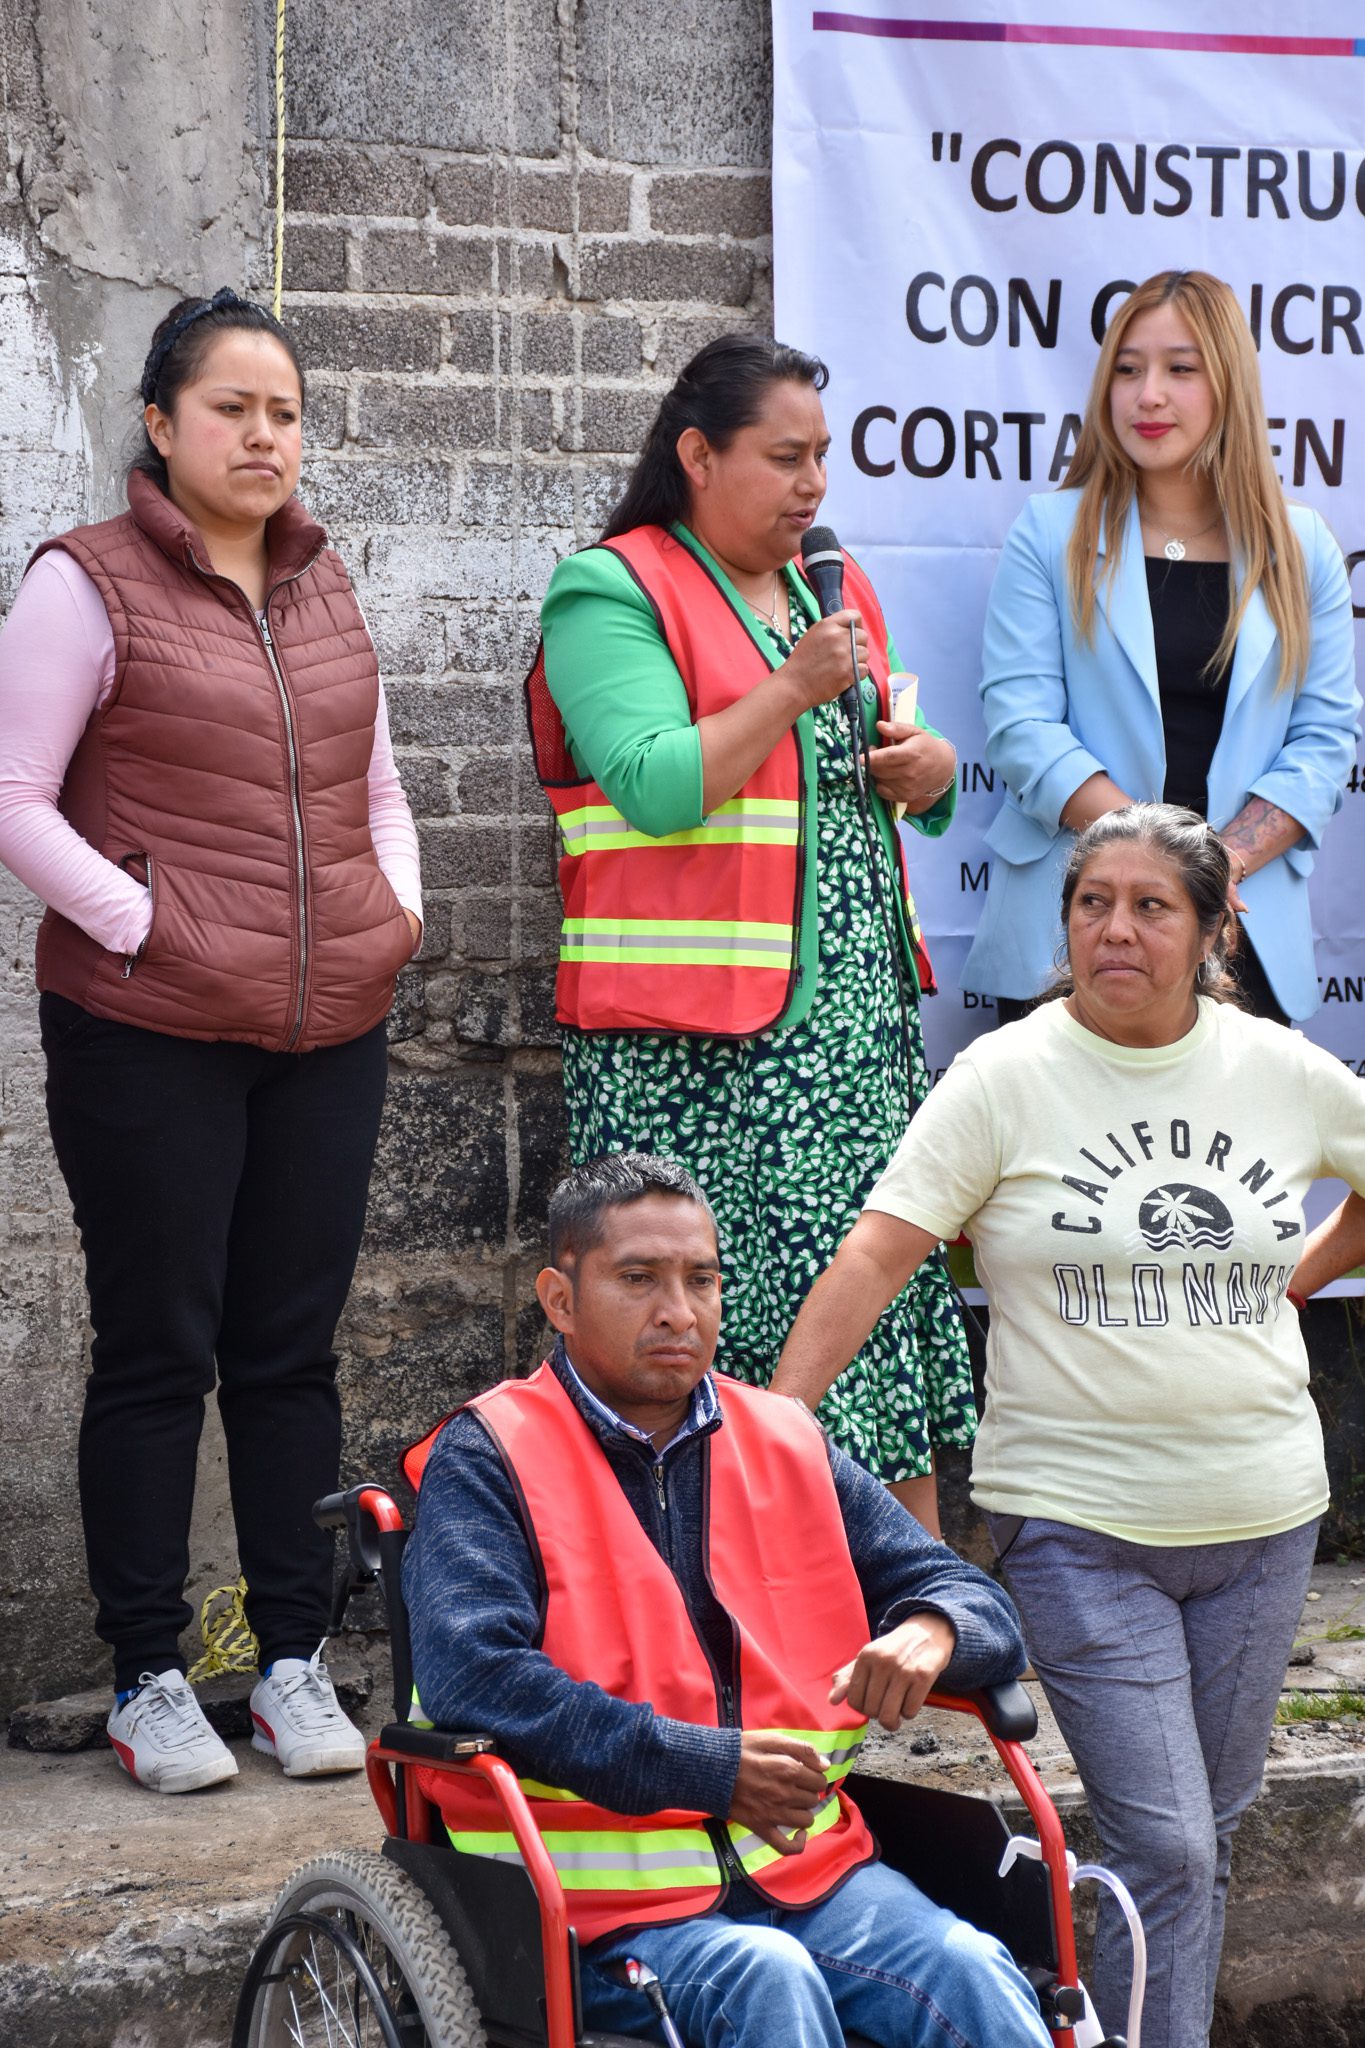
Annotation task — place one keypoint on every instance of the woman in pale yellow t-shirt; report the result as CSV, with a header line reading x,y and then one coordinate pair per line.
x,y
1130,1163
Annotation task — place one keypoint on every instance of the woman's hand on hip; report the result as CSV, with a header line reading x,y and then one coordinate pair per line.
x,y
820,667
913,767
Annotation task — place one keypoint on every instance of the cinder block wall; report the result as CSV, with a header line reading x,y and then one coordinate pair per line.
x,y
508,225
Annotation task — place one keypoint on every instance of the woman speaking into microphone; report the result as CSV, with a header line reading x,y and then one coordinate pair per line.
x,y
740,969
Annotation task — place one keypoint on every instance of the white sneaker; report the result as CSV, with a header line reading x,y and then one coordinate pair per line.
x,y
161,1738
298,1720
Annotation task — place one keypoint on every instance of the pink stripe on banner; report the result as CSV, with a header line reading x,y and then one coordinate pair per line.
x,y
1088,38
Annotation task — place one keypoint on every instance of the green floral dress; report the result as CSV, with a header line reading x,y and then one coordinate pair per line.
x,y
787,1132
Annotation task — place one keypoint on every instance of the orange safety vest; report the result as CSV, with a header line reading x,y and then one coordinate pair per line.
x,y
615,1615
697,931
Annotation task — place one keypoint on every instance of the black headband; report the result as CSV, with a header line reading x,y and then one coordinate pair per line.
x,y
152,368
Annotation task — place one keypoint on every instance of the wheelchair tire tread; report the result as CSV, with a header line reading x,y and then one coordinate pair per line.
x,y
394,1905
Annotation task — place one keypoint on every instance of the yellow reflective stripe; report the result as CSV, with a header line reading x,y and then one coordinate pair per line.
x,y
415,1715
664,941
756,1854
837,1748
742,821
657,1859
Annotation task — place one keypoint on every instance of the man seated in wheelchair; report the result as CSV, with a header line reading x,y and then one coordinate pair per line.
x,y
677,1606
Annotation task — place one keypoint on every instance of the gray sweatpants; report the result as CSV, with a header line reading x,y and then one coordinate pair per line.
x,y
1163,1668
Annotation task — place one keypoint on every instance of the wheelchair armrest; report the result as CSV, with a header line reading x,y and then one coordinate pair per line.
x,y
1006,1710
433,1745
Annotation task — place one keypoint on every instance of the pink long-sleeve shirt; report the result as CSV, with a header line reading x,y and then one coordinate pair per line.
x,y
56,669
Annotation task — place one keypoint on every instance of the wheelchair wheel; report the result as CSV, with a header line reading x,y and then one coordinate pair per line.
x,y
355,1956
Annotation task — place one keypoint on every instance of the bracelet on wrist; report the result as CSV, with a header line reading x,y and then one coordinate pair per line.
x,y
1295,1300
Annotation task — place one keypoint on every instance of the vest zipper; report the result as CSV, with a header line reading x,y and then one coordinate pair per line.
x,y
296,811
260,622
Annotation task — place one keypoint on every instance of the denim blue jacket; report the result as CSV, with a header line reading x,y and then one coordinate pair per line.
x,y
474,1605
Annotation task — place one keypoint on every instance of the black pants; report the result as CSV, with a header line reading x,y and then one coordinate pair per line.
x,y
219,1191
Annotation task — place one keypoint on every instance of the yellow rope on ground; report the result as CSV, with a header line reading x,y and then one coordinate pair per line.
x,y
228,1642
279,157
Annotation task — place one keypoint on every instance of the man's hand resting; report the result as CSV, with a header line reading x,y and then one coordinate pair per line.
x,y
778,1786
890,1679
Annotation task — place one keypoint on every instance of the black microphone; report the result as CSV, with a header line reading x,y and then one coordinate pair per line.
x,y
822,558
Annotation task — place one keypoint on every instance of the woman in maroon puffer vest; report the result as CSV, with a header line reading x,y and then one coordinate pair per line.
x,y
198,780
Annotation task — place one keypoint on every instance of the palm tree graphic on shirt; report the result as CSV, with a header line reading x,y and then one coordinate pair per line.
x,y
1178,1217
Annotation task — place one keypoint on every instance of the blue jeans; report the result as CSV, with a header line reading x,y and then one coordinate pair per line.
x,y
877,1958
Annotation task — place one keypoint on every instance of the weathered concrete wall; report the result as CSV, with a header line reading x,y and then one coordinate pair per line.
x,y
508,226
131,172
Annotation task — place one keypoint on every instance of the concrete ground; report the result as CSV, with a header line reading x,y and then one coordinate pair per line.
x,y
129,1918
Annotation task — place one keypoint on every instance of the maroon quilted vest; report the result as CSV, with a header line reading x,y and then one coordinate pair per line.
x,y
230,772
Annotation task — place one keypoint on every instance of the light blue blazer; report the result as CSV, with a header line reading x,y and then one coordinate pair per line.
x,y
1058,711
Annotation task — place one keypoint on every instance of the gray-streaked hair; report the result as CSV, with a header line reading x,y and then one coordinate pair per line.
x,y
1189,845
583,1197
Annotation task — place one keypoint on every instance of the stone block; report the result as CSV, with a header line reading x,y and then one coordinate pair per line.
x,y
477,855
426,783
435,944
539,913
332,178
683,271
471,340
430,564
441,1171
487,786
362,492
600,488
481,926
704,203
471,194
314,258
615,421
439,77
409,643
508,494
482,1014
488,638
534,420
611,347
430,416
426,260
451,714
536,1006
355,337
529,269
547,343
544,198
422,1343
695,89
542,1150
324,418
408,1017
679,340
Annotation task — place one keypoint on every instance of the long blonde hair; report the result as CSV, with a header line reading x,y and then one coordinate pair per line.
x,y
1235,455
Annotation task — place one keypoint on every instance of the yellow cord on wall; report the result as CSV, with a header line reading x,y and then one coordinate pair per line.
x,y
279,157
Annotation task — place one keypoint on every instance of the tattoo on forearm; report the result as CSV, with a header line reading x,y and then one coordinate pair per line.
x,y
1261,830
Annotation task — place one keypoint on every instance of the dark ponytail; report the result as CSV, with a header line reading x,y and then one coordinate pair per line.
x,y
721,390
179,345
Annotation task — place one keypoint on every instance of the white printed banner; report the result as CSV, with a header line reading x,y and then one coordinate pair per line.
x,y
958,200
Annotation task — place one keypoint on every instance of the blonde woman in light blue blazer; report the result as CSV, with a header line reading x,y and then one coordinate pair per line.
x,y
1109,629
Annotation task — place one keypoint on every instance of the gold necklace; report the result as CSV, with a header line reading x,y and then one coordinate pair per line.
x,y
1174,545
